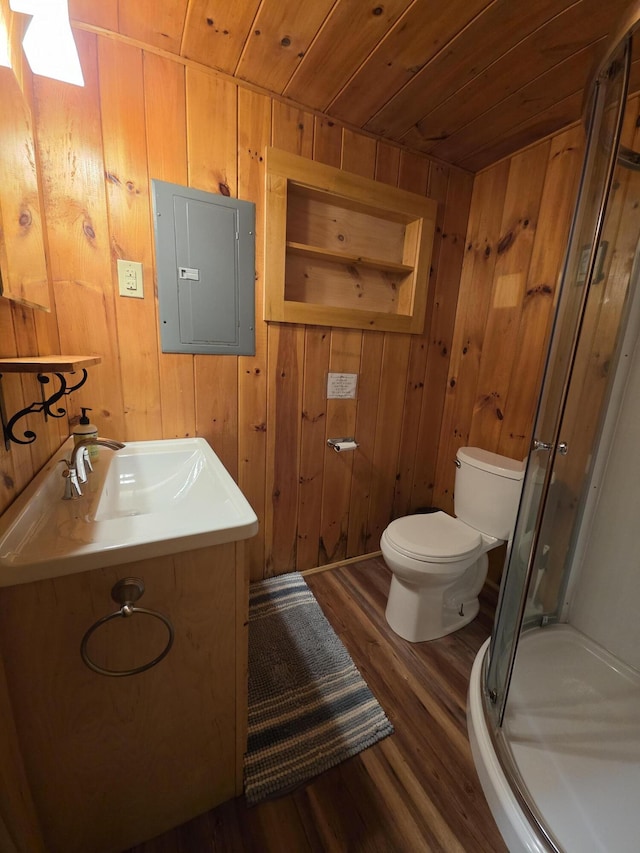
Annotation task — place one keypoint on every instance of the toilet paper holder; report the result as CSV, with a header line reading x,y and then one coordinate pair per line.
x,y
340,444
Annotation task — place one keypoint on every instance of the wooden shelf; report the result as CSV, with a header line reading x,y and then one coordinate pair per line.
x,y
48,363
321,254
342,250
48,404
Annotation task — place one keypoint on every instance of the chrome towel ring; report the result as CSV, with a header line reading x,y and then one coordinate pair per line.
x,y
126,592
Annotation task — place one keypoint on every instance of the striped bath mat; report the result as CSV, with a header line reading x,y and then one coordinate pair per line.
x,y
309,707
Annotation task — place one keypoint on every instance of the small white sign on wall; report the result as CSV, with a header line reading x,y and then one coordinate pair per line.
x,y
342,386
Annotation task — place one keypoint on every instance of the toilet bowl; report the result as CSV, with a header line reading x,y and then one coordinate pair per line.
x,y
439,562
439,566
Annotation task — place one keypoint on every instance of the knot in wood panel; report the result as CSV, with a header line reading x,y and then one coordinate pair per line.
x,y
505,242
539,290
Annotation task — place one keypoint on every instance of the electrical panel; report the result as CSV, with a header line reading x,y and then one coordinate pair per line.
x,y
205,257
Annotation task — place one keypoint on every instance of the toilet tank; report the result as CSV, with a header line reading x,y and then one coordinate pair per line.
x,y
487,491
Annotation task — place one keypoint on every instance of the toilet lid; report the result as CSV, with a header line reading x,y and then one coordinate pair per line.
x,y
434,537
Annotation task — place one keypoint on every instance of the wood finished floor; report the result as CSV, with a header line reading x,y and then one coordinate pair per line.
x,y
417,790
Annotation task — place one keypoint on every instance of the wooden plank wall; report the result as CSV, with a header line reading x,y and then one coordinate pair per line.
x,y
144,115
472,377
518,228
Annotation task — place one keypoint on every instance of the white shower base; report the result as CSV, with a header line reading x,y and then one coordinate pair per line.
x,y
573,724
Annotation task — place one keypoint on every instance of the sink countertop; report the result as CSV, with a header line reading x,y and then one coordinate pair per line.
x,y
149,499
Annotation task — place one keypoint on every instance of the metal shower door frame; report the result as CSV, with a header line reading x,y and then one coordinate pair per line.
x,y
499,664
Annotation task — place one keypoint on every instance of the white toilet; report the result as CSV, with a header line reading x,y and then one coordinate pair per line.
x,y
439,563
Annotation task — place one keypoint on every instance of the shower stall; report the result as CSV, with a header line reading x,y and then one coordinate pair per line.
x,y
554,697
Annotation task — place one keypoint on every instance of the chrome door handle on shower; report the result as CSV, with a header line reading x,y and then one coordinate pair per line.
x,y
563,447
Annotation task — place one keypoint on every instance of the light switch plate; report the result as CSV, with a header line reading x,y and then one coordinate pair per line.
x,y
130,279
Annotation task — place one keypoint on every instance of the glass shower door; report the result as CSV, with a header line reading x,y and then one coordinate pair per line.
x,y
530,552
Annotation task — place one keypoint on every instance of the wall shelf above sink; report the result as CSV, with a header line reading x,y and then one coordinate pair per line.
x,y
58,365
48,363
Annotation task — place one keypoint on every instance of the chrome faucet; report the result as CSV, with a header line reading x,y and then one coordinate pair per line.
x,y
74,473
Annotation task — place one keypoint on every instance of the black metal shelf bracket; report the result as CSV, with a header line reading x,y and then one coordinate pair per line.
x,y
45,405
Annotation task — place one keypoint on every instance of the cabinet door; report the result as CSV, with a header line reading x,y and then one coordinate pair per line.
x,y
114,761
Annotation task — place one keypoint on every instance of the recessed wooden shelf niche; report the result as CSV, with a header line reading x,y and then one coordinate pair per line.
x,y
342,250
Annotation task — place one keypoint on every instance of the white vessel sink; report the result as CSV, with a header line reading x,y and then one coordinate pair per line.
x,y
149,499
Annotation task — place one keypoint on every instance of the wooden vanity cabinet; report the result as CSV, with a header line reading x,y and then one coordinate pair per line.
x,y
110,761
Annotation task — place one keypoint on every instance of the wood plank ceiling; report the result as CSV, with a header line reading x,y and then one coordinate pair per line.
x,y
468,81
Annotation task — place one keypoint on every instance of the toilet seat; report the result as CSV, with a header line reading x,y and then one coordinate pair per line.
x,y
434,538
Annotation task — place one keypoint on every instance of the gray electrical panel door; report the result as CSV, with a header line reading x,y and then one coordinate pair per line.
x,y
205,255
